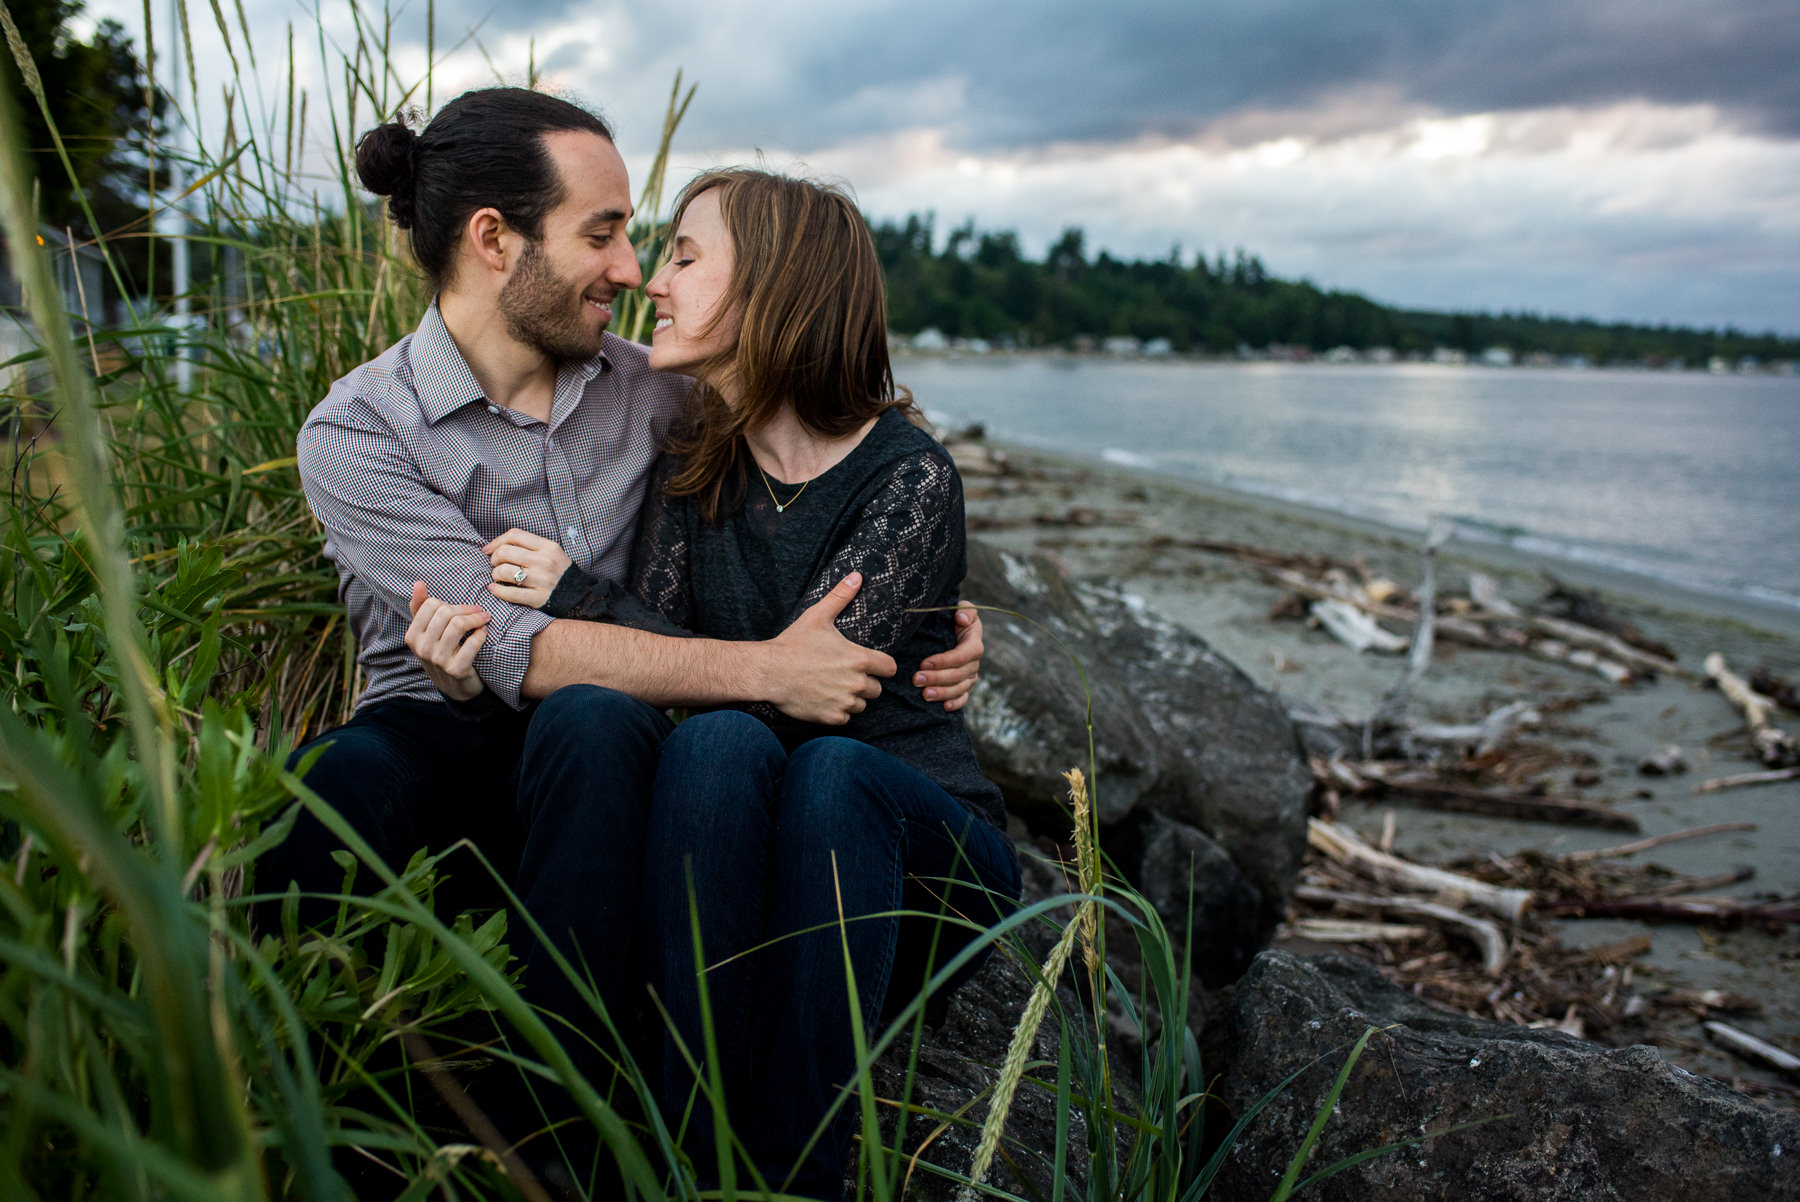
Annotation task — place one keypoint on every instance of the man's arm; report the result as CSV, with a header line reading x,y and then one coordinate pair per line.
x,y
809,671
392,529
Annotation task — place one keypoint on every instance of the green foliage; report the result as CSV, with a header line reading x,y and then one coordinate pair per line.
x,y
980,285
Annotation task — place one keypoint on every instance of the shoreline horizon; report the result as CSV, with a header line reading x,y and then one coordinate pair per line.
x,y
1778,615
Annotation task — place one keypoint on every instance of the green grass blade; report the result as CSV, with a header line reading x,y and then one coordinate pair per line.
x,y
1286,1186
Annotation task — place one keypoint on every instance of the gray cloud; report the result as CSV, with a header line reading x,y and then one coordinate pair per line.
x,y
807,75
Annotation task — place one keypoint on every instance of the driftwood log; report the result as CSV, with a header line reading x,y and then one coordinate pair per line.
x,y
1342,844
1407,783
1460,799
1486,935
1697,911
1774,746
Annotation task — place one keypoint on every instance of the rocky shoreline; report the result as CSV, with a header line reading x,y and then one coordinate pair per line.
x,y
1199,665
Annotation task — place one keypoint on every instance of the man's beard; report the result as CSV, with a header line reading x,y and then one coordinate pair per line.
x,y
545,311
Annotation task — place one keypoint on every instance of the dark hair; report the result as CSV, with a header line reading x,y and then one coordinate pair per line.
x,y
485,149
807,280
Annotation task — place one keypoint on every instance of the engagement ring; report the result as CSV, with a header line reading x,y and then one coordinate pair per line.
x,y
518,575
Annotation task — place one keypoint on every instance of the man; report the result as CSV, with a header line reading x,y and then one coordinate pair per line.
x,y
511,406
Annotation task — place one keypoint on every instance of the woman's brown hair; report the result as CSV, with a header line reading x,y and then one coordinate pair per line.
x,y
807,281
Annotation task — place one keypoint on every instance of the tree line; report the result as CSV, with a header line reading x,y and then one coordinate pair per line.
x,y
978,284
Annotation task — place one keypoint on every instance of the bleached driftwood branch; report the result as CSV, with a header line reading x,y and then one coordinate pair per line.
x,y
1486,734
1488,936
1355,629
1741,780
1345,930
1774,746
1748,1046
1342,845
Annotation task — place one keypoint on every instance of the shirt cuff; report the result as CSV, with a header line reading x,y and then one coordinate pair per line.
x,y
503,660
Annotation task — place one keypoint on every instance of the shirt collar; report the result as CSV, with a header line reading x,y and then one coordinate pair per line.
x,y
442,379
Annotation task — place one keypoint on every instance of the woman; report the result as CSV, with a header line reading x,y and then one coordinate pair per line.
x,y
799,467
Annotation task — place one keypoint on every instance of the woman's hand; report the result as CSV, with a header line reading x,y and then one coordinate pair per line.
x,y
949,675
445,638
542,562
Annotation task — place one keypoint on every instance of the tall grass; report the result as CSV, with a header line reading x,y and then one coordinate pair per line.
x,y
169,632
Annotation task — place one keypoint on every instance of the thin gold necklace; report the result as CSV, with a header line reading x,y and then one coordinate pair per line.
x,y
781,506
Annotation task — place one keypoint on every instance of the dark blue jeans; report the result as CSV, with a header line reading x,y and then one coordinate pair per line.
x,y
774,843
556,797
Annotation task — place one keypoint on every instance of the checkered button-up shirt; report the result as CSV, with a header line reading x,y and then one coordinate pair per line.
x,y
412,471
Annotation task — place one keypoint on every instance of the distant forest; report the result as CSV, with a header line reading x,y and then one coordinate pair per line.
x,y
977,284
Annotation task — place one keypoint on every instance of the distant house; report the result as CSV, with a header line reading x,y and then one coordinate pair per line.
x,y
81,287
1342,354
80,276
1122,345
1379,354
1158,347
1497,356
930,339
1450,355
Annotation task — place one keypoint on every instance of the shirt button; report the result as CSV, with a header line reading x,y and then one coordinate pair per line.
x,y
494,409
573,534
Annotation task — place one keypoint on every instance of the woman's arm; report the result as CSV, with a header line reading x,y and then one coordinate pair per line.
x,y
908,544
659,596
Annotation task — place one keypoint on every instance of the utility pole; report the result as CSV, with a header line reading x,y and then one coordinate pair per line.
x,y
174,215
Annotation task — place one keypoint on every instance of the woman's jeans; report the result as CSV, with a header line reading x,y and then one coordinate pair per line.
x,y
755,844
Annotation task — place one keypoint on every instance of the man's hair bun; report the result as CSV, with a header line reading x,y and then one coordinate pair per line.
x,y
386,162
483,150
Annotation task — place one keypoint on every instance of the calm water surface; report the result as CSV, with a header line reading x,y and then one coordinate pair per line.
x,y
1687,477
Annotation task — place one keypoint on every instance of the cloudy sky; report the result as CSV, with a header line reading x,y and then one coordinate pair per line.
x,y
1624,159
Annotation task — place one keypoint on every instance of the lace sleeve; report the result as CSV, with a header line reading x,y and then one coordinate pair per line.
x,y
660,578
908,544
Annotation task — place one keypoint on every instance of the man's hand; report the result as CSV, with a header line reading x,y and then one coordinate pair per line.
x,y
445,638
818,675
949,676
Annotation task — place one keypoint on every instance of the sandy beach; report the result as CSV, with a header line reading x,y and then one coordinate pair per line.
x,y
1128,527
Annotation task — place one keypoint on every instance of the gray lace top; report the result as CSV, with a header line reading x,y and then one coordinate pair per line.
x,y
892,509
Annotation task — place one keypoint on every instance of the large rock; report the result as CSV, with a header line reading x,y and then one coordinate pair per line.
x,y
1197,889
1565,1119
1177,728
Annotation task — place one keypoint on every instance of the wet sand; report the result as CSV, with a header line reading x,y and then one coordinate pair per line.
x,y
1101,521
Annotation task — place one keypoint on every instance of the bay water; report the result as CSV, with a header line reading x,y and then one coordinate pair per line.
x,y
1689,478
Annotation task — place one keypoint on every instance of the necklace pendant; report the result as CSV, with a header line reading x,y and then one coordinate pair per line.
x,y
780,508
